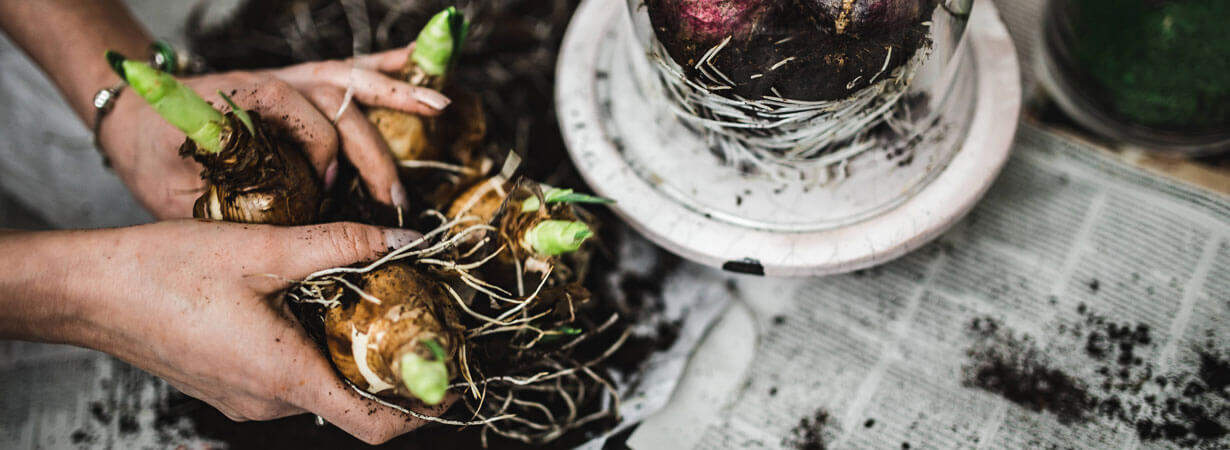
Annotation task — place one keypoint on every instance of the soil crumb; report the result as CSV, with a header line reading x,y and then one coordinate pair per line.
x,y
812,432
1014,368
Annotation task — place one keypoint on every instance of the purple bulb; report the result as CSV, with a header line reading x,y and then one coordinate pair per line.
x,y
802,49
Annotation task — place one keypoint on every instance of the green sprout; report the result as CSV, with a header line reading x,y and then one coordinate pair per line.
x,y
176,103
241,113
556,334
556,237
557,195
426,378
440,42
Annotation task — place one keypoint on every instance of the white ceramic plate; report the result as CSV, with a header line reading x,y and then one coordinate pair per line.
x,y
671,190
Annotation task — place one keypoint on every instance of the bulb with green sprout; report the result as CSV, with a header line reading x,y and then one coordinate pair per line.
x,y
456,134
556,237
533,230
399,338
253,172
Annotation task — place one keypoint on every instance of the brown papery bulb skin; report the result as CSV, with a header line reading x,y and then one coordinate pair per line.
x,y
482,200
454,135
412,307
262,178
406,134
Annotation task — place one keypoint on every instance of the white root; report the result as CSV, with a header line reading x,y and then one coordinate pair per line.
x,y
787,139
427,164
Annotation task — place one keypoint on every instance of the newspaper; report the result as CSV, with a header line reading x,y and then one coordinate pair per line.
x,y
1068,309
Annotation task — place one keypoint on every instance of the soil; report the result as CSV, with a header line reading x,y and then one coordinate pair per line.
x,y
509,58
1108,378
781,49
812,433
1013,367
300,432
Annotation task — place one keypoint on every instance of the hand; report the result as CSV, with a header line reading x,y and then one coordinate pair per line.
x,y
301,99
198,303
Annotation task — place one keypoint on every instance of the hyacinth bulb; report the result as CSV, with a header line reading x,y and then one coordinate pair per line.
x,y
806,50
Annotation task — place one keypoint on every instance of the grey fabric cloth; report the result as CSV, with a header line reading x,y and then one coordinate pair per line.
x,y
48,166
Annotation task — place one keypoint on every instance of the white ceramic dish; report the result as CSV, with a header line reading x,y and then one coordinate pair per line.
x,y
673,191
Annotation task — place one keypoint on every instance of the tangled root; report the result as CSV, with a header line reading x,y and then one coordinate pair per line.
x,y
531,364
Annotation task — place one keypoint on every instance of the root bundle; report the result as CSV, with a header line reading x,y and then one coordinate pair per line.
x,y
529,365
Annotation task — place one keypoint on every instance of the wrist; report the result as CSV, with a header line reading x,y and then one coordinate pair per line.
x,y
114,131
53,287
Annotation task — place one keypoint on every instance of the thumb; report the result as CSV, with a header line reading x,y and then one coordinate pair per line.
x,y
317,247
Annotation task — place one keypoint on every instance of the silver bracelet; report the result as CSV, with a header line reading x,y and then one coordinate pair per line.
x,y
104,102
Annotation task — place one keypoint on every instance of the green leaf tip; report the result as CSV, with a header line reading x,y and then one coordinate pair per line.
x,y
559,333
556,237
427,379
436,349
175,102
556,195
440,41
116,61
239,112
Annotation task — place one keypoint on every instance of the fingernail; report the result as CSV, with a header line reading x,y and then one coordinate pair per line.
x,y
400,200
331,174
435,100
397,237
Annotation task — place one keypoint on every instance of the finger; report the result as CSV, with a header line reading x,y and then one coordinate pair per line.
x,y
367,420
303,251
283,106
321,392
377,89
388,61
370,87
364,147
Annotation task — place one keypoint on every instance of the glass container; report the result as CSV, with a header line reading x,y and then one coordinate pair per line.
x,y
831,138
1147,72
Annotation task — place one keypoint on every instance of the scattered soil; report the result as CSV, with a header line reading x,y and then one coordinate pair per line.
x,y
812,432
300,432
1185,408
1013,367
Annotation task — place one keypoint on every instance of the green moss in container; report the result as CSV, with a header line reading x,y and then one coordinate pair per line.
x,y
1161,64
